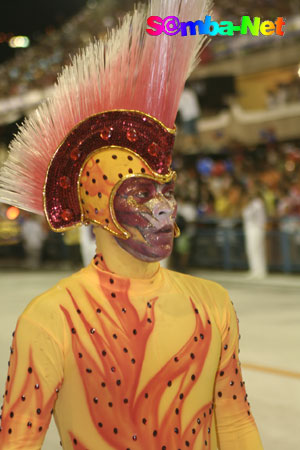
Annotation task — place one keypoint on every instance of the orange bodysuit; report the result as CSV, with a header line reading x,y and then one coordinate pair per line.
x,y
128,364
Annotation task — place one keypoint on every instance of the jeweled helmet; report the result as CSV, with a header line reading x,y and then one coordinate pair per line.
x,y
110,117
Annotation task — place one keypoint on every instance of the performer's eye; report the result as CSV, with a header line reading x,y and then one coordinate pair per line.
x,y
143,194
169,194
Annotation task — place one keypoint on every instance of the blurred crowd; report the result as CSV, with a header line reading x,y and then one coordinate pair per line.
x,y
37,66
284,93
27,239
217,186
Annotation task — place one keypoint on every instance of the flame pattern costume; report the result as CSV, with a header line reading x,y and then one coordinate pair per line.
x,y
128,364
123,363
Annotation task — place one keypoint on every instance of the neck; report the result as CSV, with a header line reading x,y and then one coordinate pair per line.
x,y
120,261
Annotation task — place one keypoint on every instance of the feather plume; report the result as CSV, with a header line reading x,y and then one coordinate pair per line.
x,y
129,69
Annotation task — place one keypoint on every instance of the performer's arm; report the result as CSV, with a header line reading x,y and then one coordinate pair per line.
x,y
236,428
34,377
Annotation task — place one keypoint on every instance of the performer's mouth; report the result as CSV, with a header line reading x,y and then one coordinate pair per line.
x,y
166,229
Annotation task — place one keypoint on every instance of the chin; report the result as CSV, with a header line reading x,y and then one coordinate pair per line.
x,y
145,252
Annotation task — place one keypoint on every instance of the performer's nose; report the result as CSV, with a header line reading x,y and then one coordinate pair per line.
x,y
163,210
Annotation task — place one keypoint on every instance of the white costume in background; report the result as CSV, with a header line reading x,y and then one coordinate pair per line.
x,y
188,105
33,237
87,244
254,220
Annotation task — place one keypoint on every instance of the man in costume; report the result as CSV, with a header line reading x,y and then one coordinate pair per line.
x,y
125,354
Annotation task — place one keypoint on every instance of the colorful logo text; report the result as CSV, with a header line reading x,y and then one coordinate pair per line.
x,y
171,25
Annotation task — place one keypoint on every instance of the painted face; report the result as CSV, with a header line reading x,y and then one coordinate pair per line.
x,y
147,209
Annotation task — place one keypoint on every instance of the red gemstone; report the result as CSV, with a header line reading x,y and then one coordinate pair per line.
x,y
75,154
131,135
67,215
65,182
105,133
153,149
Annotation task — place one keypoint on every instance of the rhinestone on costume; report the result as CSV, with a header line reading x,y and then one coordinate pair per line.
x,y
67,215
75,154
106,133
65,182
153,149
131,135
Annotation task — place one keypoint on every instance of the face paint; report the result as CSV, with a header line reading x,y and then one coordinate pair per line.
x,y
147,209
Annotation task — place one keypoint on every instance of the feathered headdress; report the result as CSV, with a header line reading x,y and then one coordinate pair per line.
x,y
110,116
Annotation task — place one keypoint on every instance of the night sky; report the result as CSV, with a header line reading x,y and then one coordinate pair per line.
x,y
33,17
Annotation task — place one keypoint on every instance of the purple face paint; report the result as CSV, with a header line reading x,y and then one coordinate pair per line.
x,y
147,209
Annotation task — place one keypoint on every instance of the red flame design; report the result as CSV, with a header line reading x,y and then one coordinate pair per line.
x,y
32,389
122,417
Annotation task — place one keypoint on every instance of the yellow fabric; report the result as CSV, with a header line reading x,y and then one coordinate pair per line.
x,y
128,364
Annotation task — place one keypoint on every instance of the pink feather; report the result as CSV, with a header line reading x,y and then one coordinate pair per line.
x,y
128,70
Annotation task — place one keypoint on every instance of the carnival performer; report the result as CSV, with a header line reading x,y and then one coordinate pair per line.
x,y
124,354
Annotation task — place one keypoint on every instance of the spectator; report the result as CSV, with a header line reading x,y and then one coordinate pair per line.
x,y
33,236
254,221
